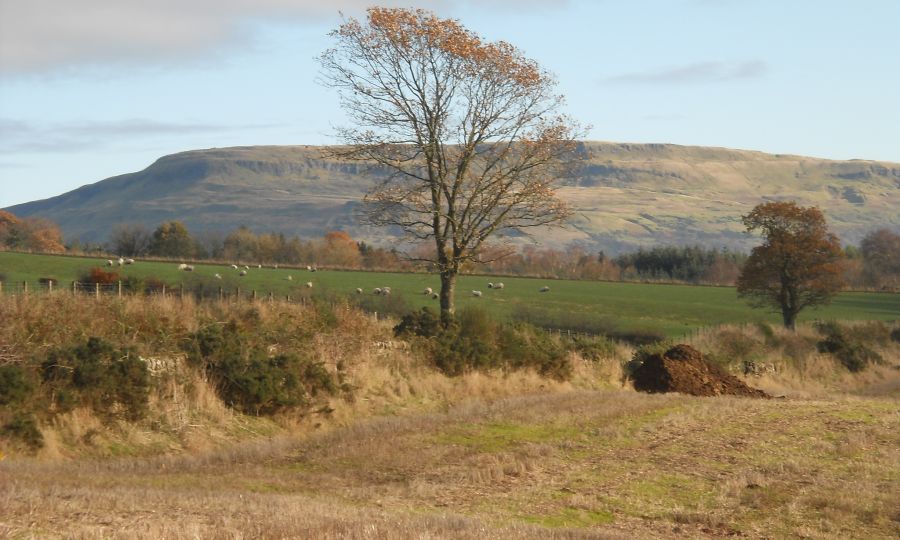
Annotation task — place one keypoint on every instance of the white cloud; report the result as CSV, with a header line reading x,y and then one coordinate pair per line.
x,y
17,136
40,35
696,72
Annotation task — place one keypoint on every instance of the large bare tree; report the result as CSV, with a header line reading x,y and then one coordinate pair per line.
x,y
469,132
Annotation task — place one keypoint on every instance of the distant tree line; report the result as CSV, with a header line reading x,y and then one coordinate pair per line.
x,y
29,234
875,263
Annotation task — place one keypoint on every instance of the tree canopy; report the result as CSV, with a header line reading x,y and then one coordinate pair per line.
x,y
466,134
797,266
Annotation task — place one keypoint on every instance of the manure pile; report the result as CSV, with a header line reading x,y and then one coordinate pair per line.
x,y
683,369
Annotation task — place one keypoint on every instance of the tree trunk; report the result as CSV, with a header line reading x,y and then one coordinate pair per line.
x,y
448,286
789,317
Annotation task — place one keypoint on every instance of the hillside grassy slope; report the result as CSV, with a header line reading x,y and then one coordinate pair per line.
x,y
625,195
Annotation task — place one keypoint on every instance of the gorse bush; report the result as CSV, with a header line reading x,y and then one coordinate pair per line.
x,y
15,385
252,380
111,381
474,341
851,346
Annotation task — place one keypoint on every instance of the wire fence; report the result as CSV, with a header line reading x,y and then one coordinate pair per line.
x,y
120,289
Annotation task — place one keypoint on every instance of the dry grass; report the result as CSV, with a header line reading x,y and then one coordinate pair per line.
x,y
566,464
414,454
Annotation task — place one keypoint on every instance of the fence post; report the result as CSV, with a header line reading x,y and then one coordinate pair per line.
x,y
254,294
25,287
220,294
120,289
50,286
237,294
74,288
97,290
164,290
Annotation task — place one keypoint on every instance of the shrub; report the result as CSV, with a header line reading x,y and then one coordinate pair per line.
x,y
98,275
474,341
849,349
15,385
422,323
248,379
24,427
593,349
98,375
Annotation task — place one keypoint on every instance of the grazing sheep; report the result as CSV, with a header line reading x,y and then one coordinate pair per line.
x,y
435,296
544,289
259,266
290,278
243,273
314,269
121,261
234,266
246,267
498,285
188,268
476,294
109,263
359,290
308,268
129,261
218,276
490,285
309,284
275,267
182,266
427,291
376,291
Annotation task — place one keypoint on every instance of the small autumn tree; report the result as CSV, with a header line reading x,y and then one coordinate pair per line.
x,y
467,133
797,266
172,239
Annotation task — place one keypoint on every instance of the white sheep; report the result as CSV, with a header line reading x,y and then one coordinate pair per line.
x,y
309,284
182,266
359,290
498,285
308,268
121,261
476,294
129,261
435,296
188,268
376,291
259,266
246,267
490,285
218,276
234,266
109,263
427,291
243,273
290,278
275,266
544,289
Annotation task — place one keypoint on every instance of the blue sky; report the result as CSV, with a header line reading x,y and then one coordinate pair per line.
x,y
95,88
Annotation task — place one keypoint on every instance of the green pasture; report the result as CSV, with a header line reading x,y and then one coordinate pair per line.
x,y
669,309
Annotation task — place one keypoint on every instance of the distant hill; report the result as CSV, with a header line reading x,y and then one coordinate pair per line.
x,y
627,195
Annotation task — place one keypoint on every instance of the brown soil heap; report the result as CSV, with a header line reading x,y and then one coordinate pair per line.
x,y
683,369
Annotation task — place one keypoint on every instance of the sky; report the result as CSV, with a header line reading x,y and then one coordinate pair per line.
x,y
95,88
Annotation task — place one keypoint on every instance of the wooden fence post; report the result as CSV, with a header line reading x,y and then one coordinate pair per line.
x,y
220,294
50,286
237,293
254,294
74,288
120,289
164,290
25,287
97,290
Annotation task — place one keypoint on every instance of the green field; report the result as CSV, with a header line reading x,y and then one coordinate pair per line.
x,y
670,309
